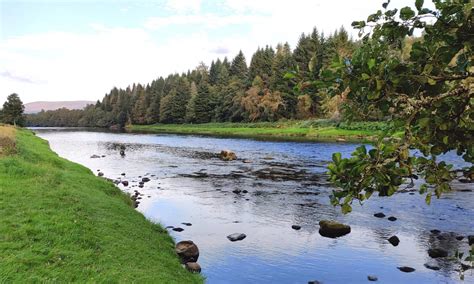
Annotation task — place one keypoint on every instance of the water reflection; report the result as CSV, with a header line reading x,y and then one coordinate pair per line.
x,y
284,184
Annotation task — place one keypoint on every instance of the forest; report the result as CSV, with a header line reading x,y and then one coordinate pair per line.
x,y
225,91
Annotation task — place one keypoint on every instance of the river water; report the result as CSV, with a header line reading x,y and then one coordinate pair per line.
x,y
282,184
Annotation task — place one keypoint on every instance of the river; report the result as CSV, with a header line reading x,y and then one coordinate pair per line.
x,y
282,184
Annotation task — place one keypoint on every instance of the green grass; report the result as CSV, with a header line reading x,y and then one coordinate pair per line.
x,y
311,130
60,223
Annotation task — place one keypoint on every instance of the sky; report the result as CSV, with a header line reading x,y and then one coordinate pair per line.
x,y
79,50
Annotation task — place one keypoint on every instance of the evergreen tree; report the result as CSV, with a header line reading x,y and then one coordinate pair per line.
x,y
202,104
238,68
12,112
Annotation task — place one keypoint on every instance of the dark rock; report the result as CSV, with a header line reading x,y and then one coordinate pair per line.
x,y
101,174
122,153
103,156
379,215
236,191
431,266
459,238
187,224
470,239
244,191
314,282
394,240
178,229
411,193
193,267
437,252
145,179
296,227
372,278
441,237
227,155
406,269
169,227
246,161
95,156
435,232
122,174
392,218
140,185
141,182
187,251
465,267
125,183
236,237
332,229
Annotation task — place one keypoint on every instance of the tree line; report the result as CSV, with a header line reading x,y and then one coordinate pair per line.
x,y
225,91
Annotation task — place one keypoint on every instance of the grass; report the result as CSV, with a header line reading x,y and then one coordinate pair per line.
x,y
311,130
7,140
60,223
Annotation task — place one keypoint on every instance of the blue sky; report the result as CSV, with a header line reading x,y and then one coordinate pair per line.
x,y
75,50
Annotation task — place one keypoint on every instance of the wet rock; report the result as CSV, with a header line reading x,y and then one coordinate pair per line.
x,y
332,229
103,156
314,282
193,267
187,224
437,252
95,156
101,174
459,238
470,239
411,193
432,266
141,182
187,251
125,183
145,179
379,215
169,227
236,191
296,227
372,278
227,155
406,269
236,237
465,267
435,232
392,218
178,229
245,191
122,153
394,240
122,174
140,186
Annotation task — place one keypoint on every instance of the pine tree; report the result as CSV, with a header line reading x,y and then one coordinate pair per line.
x,y
238,68
12,112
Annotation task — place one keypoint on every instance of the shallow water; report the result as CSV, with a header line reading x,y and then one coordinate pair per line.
x,y
286,184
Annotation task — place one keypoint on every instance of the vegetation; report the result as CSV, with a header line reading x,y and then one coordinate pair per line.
x,y
7,140
62,224
12,112
311,130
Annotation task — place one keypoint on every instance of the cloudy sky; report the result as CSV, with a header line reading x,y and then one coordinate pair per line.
x,y
79,50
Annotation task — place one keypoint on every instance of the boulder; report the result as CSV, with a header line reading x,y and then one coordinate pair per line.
x,y
437,252
332,229
394,240
125,183
193,267
236,237
227,155
296,227
122,174
372,278
406,269
236,191
187,251
379,215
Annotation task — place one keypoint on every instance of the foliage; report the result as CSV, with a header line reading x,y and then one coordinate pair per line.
x,y
12,112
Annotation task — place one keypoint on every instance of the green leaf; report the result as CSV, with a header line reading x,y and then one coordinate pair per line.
x,y
371,63
289,75
406,13
365,76
336,157
431,81
346,208
419,4
428,198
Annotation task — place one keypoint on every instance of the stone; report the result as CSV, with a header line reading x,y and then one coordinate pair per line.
x,y
193,267
122,174
245,191
406,269
296,227
459,238
392,218
394,240
332,229
227,155
187,224
470,239
372,278
437,252
314,282
431,266
95,156
236,237
101,174
379,215
187,251
178,229
145,179
246,161
125,183
169,227
435,232
236,191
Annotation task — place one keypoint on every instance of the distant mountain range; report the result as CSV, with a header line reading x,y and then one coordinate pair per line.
x,y
35,107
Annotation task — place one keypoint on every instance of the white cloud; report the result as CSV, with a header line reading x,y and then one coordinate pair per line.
x,y
183,6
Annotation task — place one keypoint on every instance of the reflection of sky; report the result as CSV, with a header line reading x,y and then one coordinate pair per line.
x,y
272,251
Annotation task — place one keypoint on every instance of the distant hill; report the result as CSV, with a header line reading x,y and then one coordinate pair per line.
x,y
35,107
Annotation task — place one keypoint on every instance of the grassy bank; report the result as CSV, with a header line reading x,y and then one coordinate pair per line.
x,y
316,130
60,223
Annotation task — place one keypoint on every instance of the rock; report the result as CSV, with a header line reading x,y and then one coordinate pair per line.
x,y
187,251
178,229
394,240
236,191
227,155
141,182
459,238
392,218
470,239
379,215
314,282
245,191
406,269
296,227
145,179
122,153
465,267
187,224
101,174
332,229
140,186
95,156
435,232
125,183
411,193
169,227
103,156
193,267
246,161
437,252
122,174
372,278
236,237
431,266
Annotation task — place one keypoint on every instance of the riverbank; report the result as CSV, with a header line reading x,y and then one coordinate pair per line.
x,y
60,223
317,130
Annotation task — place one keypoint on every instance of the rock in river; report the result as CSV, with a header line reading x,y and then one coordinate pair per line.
x,y
392,218
187,251
101,174
372,278
227,155
145,179
394,240
236,237
178,229
125,183
406,269
95,156
332,229
379,215
431,266
296,227
193,267
470,239
437,252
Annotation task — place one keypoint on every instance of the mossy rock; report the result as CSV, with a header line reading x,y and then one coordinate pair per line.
x,y
333,229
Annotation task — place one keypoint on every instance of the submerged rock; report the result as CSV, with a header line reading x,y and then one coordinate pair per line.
x,y
432,266
296,227
236,237
372,278
437,252
187,251
227,155
406,269
394,240
332,229
392,218
95,156
314,282
193,267
178,229
379,215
